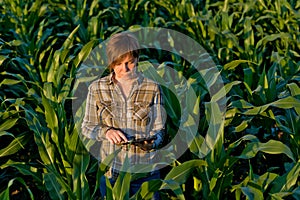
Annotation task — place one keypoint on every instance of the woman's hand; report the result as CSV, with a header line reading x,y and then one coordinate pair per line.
x,y
115,136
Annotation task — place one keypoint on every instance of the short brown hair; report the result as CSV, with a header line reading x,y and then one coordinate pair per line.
x,y
119,47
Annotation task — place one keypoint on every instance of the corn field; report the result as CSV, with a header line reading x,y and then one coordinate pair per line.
x,y
255,46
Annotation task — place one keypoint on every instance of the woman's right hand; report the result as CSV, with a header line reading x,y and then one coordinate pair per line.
x,y
115,136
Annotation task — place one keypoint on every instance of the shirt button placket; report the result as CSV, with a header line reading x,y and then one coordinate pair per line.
x,y
129,115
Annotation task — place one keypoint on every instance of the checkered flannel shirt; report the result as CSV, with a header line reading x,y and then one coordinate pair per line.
x,y
140,115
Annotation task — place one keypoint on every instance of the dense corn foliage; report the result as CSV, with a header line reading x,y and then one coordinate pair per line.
x,y
255,45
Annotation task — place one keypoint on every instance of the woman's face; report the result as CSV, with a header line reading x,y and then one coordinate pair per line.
x,y
126,67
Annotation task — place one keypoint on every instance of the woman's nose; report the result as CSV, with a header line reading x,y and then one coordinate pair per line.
x,y
126,67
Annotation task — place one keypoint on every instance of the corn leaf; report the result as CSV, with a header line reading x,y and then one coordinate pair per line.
x,y
233,64
8,123
147,189
286,182
14,146
25,169
80,182
271,147
56,191
180,173
6,193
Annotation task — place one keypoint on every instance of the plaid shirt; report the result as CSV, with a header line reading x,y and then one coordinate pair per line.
x,y
140,115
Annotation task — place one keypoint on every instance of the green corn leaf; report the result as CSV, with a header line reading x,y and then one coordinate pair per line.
x,y
56,191
8,123
57,177
294,88
281,195
122,184
109,189
271,79
80,182
197,184
123,191
271,147
149,71
248,76
65,91
3,58
16,43
16,76
242,126
266,180
233,64
51,119
270,38
196,109
242,104
103,167
54,65
285,103
2,133
198,146
60,73
25,169
17,144
43,35
147,189
84,52
252,193
72,144
222,93
211,76
215,132
48,91
286,182
42,135
180,173
6,193
9,82
44,146
213,181
174,187
57,136
248,34
69,40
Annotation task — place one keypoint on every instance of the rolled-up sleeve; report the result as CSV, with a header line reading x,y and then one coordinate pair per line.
x,y
159,114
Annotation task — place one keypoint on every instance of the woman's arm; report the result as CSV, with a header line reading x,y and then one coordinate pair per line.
x,y
159,119
91,127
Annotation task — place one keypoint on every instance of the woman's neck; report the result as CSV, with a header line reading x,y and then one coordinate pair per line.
x,y
126,84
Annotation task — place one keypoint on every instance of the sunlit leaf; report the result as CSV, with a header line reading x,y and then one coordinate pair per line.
x,y
8,123
233,64
182,172
271,147
15,145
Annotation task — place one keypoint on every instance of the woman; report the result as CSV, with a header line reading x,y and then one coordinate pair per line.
x,y
124,110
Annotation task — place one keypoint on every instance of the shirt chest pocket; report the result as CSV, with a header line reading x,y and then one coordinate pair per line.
x,y
142,114
107,113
